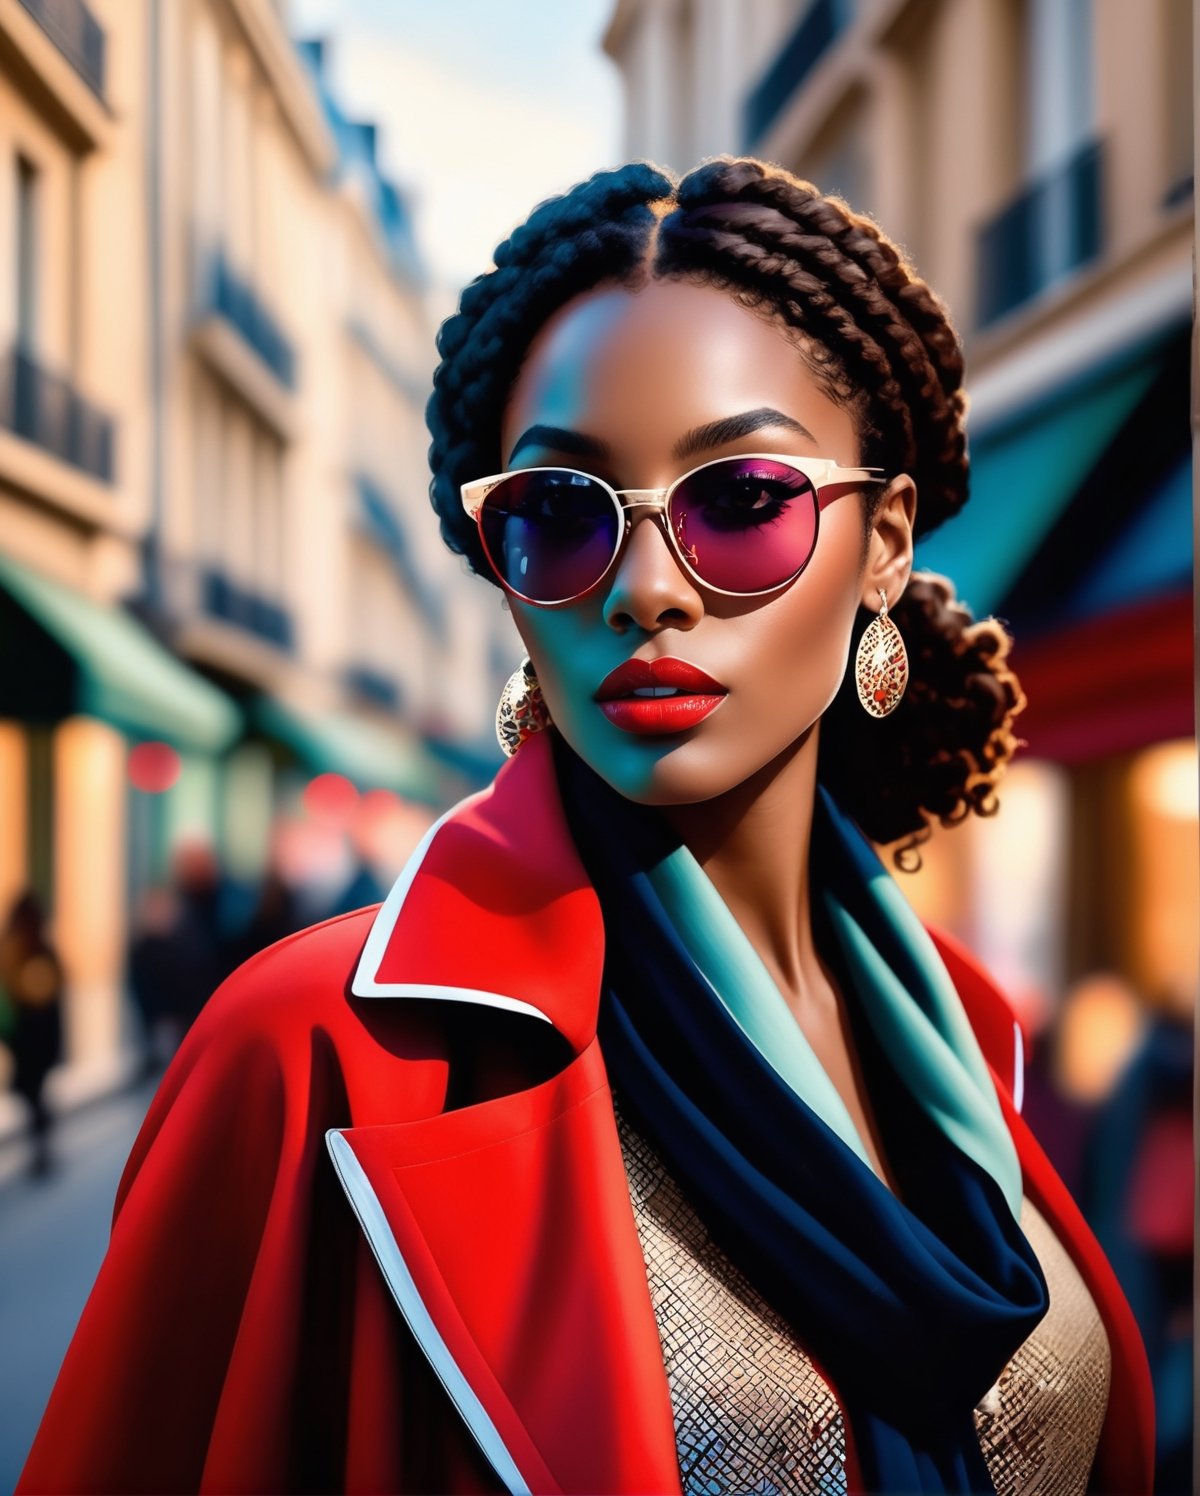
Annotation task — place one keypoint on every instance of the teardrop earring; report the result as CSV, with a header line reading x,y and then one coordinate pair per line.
x,y
522,708
881,665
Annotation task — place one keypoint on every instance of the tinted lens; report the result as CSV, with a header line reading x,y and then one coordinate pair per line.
x,y
550,533
745,524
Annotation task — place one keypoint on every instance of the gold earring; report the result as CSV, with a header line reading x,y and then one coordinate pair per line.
x,y
881,665
522,710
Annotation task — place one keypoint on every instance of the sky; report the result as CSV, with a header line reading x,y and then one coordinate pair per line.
x,y
485,107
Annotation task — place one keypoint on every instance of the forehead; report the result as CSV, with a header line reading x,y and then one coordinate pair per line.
x,y
637,368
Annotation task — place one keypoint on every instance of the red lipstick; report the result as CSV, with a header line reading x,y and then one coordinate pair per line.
x,y
674,696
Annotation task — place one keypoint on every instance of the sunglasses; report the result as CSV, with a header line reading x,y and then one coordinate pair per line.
x,y
740,526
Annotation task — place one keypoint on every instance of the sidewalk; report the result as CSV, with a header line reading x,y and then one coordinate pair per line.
x,y
53,1234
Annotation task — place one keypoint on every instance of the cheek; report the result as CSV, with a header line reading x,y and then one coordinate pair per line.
x,y
571,651
557,640
790,669
801,638
790,660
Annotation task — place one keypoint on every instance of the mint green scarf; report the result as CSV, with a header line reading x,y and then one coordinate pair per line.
x,y
897,974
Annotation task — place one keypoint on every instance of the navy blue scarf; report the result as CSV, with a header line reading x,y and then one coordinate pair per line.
x,y
912,1305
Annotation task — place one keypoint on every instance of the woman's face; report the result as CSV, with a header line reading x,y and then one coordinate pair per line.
x,y
637,376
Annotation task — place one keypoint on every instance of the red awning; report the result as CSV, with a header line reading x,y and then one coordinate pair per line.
x,y
1112,684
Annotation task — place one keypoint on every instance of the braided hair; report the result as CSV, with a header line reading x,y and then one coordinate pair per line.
x,y
877,340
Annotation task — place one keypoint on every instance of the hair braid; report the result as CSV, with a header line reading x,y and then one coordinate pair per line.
x,y
888,307
859,239
770,277
597,230
879,342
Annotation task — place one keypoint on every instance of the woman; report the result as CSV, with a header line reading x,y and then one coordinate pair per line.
x,y
669,1150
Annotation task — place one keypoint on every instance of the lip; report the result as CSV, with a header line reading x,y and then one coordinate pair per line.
x,y
699,695
667,671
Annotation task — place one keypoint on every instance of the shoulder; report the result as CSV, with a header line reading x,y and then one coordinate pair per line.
x,y
288,1012
283,1049
303,978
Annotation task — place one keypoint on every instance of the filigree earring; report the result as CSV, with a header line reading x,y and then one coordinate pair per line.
x,y
522,710
881,665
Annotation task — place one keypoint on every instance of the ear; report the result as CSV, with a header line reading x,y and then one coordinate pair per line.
x,y
890,549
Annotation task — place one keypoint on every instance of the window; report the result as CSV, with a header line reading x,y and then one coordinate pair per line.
x,y
208,493
1059,82
268,518
1055,223
1178,100
27,256
835,160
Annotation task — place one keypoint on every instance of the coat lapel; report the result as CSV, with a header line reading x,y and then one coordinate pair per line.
x,y
506,1234
495,908
504,1228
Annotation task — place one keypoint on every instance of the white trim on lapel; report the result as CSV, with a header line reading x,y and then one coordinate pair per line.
x,y
365,982
1018,1085
372,1219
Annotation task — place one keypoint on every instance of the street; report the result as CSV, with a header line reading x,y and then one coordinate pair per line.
x,y
53,1234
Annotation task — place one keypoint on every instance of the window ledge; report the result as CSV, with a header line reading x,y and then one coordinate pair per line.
x,y
81,117
232,358
34,471
987,345
234,651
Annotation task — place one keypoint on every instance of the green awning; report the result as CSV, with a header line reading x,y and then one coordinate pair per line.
x,y
371,756
1024,471
89,657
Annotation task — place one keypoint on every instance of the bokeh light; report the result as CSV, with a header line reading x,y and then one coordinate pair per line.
x,y
330,799
153,768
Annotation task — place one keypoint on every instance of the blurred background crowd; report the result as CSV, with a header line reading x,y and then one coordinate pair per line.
x,y
240,675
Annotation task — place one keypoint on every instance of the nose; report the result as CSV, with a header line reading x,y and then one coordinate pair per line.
x,y
650,589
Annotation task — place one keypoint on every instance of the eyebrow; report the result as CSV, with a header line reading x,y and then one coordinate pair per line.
x,y
699,439
731,428
559,439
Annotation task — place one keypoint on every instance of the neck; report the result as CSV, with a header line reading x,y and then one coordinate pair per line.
x,y
753,843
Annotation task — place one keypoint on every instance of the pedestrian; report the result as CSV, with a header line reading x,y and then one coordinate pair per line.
x,y
32,980
275,916
1139,1195
172,971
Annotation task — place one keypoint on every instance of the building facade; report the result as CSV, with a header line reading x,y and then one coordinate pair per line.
x,y
215,536
1034,157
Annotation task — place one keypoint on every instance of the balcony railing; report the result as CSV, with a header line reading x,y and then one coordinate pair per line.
x,y
226,294
1054,226
373,686
379,518
227,600
76,33
819,26
48,410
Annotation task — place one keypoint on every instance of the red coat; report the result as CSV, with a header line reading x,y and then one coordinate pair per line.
x,y
240,1336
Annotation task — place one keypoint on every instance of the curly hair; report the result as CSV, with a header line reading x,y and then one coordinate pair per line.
x,y
878,341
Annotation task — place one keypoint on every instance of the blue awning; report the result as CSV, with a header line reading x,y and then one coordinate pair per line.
x,y
1151,557
1024,471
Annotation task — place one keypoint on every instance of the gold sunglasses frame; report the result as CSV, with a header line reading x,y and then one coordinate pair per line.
x,y
824,473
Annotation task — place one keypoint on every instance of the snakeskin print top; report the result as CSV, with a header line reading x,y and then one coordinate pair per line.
x,y
753,1414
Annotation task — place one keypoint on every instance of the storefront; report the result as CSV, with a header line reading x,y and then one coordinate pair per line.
x,y
1079,536
83,685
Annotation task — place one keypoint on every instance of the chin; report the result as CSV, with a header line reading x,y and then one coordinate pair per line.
x,y
688,773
